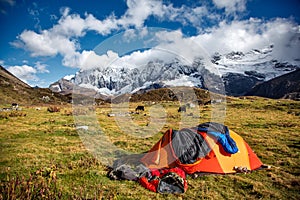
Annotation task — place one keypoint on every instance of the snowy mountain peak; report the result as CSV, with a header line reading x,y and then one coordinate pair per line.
x,y
69,77
259,61
240,71
114,81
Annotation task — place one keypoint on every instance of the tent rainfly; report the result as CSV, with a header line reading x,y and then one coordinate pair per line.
x,y
208,148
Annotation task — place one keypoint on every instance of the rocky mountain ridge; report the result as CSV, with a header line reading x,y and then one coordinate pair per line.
x,y
285,86
239,72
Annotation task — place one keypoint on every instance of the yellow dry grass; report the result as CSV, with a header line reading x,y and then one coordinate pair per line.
x,y
41,140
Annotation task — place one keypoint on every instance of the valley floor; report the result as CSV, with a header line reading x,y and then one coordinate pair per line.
x,y
42,155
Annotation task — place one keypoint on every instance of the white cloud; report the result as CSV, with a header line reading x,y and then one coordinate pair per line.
x,y
231,6
34,12
184,48
28,73
138,11
242,36
141,58
285,35
63,38
187,15
41,68
89,59
70,26
36,43
254,33
103,27
131,35
235,36
171,45
46,43
24,72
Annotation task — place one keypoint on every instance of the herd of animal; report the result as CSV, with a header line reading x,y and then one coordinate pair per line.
x,y
139,108
180,109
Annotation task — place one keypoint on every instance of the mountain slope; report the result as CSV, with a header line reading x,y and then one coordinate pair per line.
x,y
285,86
62,86
8,78
13,90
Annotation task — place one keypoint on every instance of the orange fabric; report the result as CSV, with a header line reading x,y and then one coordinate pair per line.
x,y
229,161
162,155
149,185
208,165
255,163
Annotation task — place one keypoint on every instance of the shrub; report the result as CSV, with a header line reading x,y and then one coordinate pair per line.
x,y
53,109
6,115
39,185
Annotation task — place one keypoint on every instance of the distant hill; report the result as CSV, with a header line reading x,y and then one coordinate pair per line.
x,y
285,86
13,90
181,94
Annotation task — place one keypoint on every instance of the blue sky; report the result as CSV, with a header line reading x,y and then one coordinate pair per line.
x,y
43,41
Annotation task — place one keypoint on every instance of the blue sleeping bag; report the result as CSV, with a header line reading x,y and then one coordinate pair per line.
x,y
221,134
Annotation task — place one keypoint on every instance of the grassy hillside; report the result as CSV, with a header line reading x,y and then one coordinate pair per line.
x,y
13,90
43,156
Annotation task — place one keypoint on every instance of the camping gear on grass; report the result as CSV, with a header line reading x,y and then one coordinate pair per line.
x,y
208,148
168,180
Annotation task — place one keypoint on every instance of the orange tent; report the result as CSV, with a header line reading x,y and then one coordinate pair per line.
x,y
214,160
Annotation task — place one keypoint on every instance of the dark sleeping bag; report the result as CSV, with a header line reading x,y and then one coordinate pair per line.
x,y
189,145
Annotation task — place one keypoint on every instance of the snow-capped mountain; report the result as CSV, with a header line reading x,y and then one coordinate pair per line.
x,y
64,85
238,71
257,63
242,71
115,81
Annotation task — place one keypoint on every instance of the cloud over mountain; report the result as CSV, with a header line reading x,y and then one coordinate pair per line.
x,y
222,35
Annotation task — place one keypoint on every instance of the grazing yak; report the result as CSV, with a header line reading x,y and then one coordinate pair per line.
x,y
14,105
142,108
182,109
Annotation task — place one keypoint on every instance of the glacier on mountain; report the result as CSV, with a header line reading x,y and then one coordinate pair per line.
x,y
238,71
258,61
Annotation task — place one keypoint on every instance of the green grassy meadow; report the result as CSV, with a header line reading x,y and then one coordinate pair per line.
x,y
43,157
